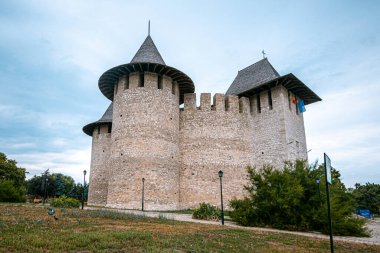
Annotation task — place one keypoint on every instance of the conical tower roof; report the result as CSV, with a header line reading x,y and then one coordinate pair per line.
x,y
106,118
149,59
148,52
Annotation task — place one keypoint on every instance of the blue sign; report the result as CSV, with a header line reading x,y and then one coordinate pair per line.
x,y
365,213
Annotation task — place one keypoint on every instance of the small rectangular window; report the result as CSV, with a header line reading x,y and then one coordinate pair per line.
x,y
98,129
159,81
141,79
173,88
289,101
297,109
109,128
126,84
116,85
258,103
270,102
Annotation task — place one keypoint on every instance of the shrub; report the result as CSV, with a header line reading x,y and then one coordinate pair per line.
x,y
10,193
64,201
289,199
243,212
206,212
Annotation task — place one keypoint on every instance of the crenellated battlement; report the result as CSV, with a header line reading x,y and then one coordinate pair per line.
x,y
220,103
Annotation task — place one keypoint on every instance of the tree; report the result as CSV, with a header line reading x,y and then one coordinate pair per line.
x,y
289,199
12,180
56,184
367,197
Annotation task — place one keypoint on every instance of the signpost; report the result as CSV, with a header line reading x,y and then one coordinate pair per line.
x,y
328,182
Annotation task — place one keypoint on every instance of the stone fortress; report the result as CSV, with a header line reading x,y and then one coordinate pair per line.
x,y
178,150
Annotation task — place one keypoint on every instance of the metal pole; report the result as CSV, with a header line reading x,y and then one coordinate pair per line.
x,y
45,186
84,186
221,199
319,192
142,197
329,210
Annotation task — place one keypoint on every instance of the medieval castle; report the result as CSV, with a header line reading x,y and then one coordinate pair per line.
x,y
146,138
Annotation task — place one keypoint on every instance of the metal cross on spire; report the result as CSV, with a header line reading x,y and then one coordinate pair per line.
x,y
264,54
149,28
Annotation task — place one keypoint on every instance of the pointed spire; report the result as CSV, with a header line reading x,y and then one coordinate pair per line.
x,y
148,52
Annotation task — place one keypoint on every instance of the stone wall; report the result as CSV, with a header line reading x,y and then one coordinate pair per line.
x,y
98,187
269,132
213,138
145,133
295,129
180,151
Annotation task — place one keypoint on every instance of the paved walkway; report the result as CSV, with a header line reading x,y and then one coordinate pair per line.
x,y
373,226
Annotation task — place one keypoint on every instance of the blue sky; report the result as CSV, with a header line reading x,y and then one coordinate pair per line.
x,y
52,54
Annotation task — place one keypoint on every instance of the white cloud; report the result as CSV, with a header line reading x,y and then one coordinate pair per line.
x,y
70,162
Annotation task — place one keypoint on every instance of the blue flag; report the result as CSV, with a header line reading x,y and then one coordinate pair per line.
x,y
301,106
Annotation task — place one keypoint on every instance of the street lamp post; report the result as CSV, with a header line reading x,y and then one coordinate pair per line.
x,y
319,188
45,188
142,197
84,187
220,173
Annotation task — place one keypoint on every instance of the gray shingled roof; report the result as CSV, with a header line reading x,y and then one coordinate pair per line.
x,y
148,52
252,76
148,59
106,118
261,75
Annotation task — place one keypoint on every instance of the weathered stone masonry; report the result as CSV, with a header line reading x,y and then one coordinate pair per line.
x,y
178,151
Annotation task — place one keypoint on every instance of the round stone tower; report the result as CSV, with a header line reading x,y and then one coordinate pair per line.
x,y
146,94
101,145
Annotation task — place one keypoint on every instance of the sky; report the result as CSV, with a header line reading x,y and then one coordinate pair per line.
x,y
52,54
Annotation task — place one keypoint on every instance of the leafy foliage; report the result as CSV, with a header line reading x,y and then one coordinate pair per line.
x,y
65,202
206,212
367,197
291,199
12,179
56,185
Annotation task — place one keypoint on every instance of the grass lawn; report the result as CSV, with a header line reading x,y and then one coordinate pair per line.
x,y
28,228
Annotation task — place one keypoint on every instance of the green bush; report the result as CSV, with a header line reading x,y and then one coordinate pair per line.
x,y
11,193
243,212
288,198
206,212
64,201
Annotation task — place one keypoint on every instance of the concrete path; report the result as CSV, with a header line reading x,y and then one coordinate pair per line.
x,y
373,226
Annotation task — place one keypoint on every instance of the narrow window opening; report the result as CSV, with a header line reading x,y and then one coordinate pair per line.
x,y
173,88
159,81
297,109
109,128
98,129
258,103
116,88
289,101
126,84
270,102
251,104
141,79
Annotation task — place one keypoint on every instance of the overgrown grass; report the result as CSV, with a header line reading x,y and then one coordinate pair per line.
x,y
28,228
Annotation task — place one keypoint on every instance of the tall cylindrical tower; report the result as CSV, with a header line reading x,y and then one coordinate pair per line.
x,y
101,146
146,94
